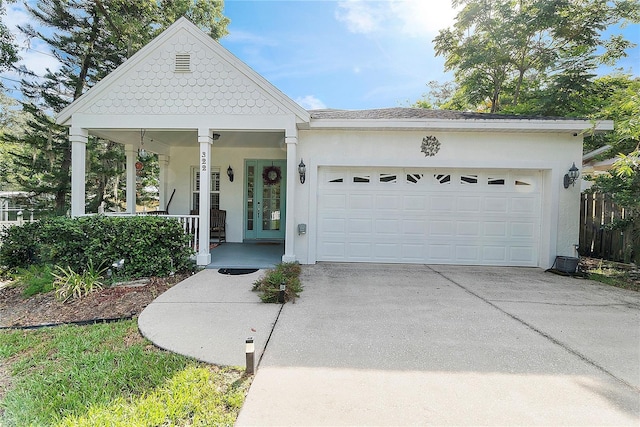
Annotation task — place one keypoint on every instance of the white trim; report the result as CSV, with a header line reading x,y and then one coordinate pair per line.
x,y
578,127
131,157
220,122
291,142
78,138
205,140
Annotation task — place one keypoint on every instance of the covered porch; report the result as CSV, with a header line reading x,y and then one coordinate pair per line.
x,y
248,175
226,139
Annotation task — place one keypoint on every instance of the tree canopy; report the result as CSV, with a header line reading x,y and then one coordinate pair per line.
x,y
502,51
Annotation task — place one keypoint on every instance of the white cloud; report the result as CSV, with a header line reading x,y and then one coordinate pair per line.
x,y
310,102
412,17
359,16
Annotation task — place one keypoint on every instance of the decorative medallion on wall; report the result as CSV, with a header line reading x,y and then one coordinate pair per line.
x,y
430,146
271,175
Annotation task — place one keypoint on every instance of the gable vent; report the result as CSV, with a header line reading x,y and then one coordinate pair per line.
x,y
183,63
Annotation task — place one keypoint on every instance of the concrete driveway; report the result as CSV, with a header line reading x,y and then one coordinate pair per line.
x,y
450,345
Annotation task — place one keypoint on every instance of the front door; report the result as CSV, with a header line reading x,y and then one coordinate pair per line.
x,y
265,193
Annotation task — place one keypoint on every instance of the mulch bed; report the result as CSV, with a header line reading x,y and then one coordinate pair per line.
x,y
110,303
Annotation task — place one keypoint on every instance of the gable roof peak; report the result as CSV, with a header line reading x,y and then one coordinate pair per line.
x,y
159,68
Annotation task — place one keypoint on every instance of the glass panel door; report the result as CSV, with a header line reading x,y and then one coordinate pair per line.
x,y
265,199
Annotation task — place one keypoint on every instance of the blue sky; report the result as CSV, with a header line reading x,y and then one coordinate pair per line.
x,y
350,54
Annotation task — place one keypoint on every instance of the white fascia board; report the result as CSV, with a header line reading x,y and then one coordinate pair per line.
x,y
173,122
466,125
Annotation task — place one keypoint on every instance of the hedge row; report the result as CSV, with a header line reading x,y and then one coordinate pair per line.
x,y
150,245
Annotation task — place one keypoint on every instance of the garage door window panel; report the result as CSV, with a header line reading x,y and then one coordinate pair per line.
x,y
388,178
415,178
468,179
362,179
442,179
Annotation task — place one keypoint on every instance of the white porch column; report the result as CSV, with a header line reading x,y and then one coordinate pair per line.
x,y
292,178
163,162
78,138
205,139
132,156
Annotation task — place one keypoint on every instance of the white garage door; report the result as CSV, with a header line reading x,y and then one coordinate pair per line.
x,y
431,216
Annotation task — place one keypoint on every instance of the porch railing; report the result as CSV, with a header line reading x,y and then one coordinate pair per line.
x,y
14,216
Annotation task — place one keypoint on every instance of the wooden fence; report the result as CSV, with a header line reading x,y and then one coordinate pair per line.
x,y
597,238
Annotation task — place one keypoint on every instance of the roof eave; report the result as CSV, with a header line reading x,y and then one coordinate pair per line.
x,y
467,125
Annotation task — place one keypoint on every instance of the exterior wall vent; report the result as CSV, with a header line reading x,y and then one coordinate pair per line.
x,y
183,63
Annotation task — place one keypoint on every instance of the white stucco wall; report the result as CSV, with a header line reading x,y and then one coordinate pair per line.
x,y
182,159
551,153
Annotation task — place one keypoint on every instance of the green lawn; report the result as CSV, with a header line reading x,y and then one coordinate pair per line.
x,y
108,375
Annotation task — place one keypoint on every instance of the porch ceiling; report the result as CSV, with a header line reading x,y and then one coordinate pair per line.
x,y
160,140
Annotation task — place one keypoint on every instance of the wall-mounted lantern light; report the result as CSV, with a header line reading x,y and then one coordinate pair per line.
x,y
230,173
302,170
571,177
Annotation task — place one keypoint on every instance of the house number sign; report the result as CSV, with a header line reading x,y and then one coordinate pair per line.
x,y
203,162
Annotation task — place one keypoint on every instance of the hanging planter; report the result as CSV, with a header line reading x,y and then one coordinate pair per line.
x,y
271,175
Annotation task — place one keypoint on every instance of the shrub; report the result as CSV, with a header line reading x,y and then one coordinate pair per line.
x,y
287,273
18,246
150,245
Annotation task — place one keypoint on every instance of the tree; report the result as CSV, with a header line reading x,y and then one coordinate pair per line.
x,y
438,95
90,38
8,48
11,121
498,48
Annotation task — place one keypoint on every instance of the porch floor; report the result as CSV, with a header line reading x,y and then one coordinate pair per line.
x,y
261,255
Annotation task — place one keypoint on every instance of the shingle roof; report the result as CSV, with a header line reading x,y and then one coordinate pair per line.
x,y
418,113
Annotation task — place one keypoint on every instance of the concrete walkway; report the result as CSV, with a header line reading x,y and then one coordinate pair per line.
x,y
209,316
417,345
